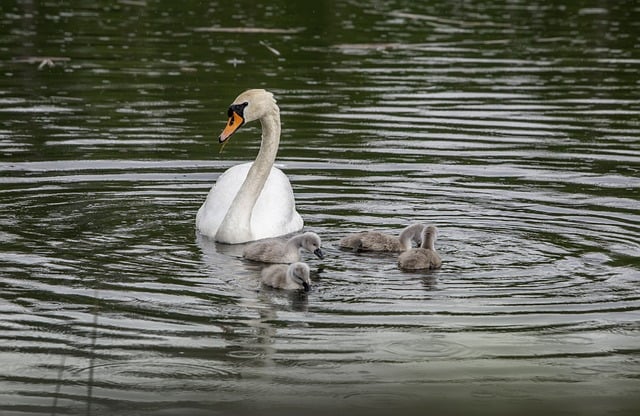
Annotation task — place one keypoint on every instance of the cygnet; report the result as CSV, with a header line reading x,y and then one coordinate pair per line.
x,y
423,257
274,250
291,277
377,241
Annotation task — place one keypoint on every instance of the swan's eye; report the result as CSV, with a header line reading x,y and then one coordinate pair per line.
x,y
237,108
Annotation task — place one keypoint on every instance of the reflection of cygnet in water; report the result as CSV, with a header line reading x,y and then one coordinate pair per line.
x,y
423,257
277,251
292,277
377,241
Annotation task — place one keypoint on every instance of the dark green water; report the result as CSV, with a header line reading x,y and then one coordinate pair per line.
x,y
513,126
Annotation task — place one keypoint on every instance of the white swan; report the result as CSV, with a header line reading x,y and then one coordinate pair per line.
x,y
377,241
274,250
423,257
281,276
251,201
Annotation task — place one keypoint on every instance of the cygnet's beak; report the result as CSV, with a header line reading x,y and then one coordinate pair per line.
x,y
306,286
318,253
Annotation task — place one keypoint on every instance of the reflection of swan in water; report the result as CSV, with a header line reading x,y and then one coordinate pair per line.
x,y
292,277
274,250
377,241
423,257
222,261
251,201
232,284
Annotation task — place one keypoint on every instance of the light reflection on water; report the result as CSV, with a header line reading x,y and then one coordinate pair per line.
x,y
522,148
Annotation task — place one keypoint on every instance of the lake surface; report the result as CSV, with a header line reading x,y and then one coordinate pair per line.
x,y
511,125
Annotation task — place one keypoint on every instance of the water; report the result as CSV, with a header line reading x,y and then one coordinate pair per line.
x,y
513,126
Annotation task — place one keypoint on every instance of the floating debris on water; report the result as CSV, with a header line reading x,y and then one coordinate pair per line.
x,y
272,50
247,30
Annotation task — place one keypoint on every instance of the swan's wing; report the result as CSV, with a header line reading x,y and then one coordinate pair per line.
x,y
275,210
215,207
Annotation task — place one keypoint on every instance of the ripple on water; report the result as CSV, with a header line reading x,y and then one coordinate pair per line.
x,y
427,347
380,399
146,374
245,354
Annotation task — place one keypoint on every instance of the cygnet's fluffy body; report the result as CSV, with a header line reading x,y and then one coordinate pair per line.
x,y
423,257
292,277
377,241
275,250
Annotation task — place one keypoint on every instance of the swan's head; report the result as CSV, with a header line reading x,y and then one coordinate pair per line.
x,y
249,106
299,273
311,242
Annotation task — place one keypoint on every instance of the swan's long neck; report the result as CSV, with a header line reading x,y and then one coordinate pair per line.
x,y
236,226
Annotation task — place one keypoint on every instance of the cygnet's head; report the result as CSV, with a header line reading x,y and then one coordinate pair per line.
x,y
311,242
299,273
429,236
249,106
412,233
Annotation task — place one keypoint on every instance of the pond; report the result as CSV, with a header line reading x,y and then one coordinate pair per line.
x,y
510,125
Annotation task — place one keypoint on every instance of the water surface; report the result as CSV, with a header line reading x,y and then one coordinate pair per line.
x,y
513,126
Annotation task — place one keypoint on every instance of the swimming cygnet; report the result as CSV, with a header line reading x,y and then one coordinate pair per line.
x,y
274,250
377,241
281,276
423,257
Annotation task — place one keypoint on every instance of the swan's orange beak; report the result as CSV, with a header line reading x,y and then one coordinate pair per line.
x,y
233,124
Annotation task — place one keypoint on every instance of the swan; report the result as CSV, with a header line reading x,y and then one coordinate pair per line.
x,y
377,241
274,250
251,201
423,257
281,276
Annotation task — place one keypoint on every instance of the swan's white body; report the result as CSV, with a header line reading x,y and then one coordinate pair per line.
x,y
251,201
273,214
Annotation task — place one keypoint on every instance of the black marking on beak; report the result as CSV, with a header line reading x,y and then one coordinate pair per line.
x,y
306,286
318,253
